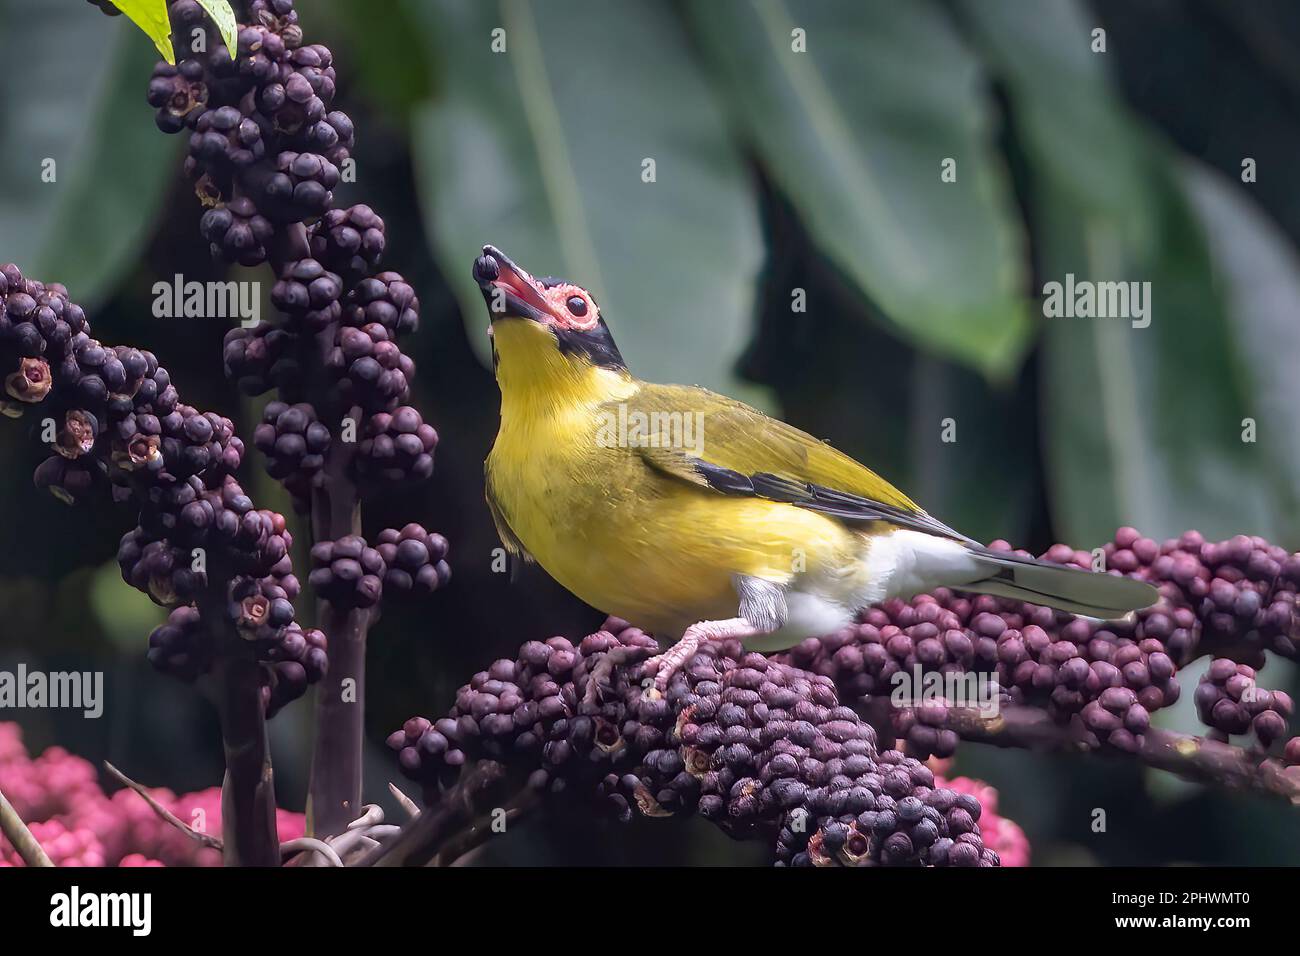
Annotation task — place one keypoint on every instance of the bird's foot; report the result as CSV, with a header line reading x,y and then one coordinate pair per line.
x,y
598,681
667,664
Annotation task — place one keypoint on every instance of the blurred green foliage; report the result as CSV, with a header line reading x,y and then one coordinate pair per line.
x,y
774,169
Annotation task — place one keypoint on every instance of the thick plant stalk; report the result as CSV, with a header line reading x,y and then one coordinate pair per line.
x,y
334,793
336,770
334,799
248,789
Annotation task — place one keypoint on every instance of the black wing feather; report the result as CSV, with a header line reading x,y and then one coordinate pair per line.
x,y
827,501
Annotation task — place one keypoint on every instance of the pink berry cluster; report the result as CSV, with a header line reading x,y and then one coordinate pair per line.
x,y
59,796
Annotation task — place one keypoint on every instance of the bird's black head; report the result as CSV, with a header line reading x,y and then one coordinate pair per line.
x,y
567,311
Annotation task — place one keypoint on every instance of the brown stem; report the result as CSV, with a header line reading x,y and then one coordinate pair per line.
x,y
1194,758
481,788
334,798
474,836
287,245
203,839
248,790
336,769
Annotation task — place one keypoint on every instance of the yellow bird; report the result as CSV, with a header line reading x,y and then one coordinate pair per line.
x,y
688,513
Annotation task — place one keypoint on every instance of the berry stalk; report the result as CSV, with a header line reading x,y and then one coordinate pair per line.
x,y
1199,759
334,796
266,151
248,791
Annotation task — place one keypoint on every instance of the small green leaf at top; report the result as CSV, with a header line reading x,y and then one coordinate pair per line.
x,y
224,18
151,17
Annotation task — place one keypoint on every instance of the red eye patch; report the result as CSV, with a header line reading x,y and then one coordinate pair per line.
x,y
571,307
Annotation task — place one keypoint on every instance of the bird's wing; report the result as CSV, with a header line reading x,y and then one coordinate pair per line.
x,y
509,539
734,449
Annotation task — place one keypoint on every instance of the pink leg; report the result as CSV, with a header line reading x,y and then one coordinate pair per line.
x,y
673,659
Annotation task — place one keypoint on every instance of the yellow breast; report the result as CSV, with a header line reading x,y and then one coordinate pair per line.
x,y
630,540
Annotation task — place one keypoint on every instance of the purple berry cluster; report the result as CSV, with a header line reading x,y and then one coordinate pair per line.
x,y
262,358
178,648
294,444
296,657
350,574
757,746
911,822
415,560
266,151
266,148
1228,701
397,447
308,295
1235,599
237,232
260,124
115,420
185,525
350,242
370,368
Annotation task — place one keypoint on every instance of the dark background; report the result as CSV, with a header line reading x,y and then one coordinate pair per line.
x,y
774,171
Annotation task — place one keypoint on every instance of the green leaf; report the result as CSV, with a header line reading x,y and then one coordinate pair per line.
x,y
116,186
540,150
1062,101
126,615
855,131
1142,424
970,451
111,165
151,17
1257,269
387,57
224,17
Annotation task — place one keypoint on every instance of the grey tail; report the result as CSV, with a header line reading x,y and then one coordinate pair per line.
x,y
1104,596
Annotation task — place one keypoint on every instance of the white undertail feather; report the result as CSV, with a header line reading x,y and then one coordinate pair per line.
x,y
906,563
912,562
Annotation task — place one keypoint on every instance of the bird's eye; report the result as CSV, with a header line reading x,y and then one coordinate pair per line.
x,y
577,305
